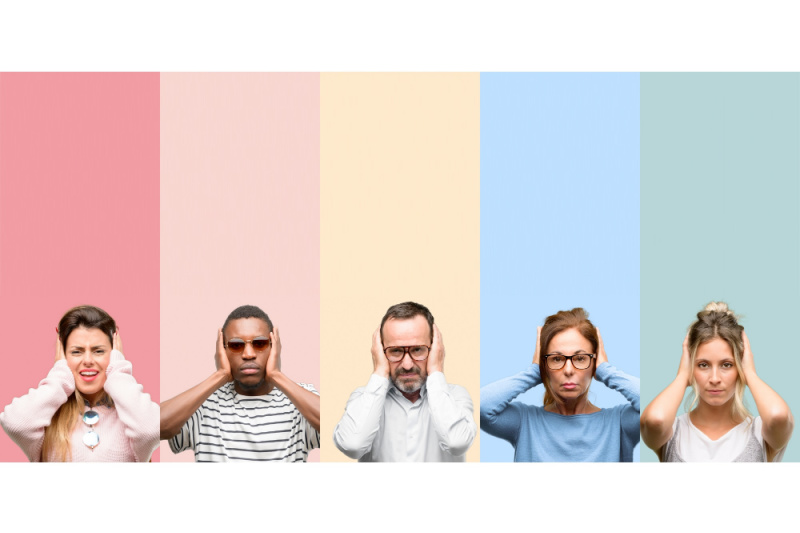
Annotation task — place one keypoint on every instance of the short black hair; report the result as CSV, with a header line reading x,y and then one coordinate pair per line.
x,y
407,310
247,311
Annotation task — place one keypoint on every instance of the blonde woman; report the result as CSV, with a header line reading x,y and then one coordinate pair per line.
x,y
89,407
717,363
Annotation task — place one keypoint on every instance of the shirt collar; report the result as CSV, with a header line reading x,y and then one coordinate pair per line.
x,y
237,397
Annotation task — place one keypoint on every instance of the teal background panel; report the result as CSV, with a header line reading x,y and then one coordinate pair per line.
x,y
720,204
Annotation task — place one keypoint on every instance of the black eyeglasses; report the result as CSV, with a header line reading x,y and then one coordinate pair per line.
x,y
396,353
237,345
581,361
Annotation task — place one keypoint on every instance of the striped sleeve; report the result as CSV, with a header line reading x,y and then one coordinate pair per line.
x,y
312,435
187,437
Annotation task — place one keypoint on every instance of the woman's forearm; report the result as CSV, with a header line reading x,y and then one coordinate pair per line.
x,y
776,417
496,396
26,418
615,379
497,417
658,417
135,409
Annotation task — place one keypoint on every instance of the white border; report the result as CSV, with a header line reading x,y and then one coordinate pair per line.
x,y
396,497
410,36
415,35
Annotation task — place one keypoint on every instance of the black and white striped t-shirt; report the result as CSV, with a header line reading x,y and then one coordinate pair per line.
x,y
232,427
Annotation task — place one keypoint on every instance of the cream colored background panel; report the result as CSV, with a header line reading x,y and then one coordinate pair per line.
x,y
400,220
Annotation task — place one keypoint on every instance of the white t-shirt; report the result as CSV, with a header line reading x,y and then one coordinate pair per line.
x,y
743,443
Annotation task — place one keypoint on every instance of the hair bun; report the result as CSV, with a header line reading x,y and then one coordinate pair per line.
x,y
719,307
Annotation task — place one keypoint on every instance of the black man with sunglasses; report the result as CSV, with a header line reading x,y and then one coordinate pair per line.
x,y
247,410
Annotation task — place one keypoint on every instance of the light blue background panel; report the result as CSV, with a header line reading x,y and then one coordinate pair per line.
x,y
559,219
720,204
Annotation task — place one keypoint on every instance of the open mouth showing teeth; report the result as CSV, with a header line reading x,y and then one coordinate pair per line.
x,y
89,373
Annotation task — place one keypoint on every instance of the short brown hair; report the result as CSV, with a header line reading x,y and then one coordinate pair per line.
x,y
86,316
405,311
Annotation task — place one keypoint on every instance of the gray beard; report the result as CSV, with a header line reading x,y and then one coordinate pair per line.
x,y
408,388
411,387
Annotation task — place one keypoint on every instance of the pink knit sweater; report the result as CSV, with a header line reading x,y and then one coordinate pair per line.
x,y
128,432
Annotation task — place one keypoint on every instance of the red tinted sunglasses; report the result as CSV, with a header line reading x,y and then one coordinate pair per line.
x,y
237,345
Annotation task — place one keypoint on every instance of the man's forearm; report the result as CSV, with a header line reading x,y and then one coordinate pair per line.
x,y
451,413
176,411
356,431
306,401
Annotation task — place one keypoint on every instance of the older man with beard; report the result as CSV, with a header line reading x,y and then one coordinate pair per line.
x,y
407,411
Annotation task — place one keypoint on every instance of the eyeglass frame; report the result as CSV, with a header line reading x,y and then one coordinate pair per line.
x,y
569,357
250,342
407,350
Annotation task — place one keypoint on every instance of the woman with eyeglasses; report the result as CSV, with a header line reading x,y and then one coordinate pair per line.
x,y
89,407
568,427
717,363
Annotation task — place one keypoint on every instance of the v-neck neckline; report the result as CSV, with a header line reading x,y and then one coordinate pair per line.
x,y
709,439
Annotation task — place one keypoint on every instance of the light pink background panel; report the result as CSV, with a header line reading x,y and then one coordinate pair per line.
x,y
239,218
78,218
